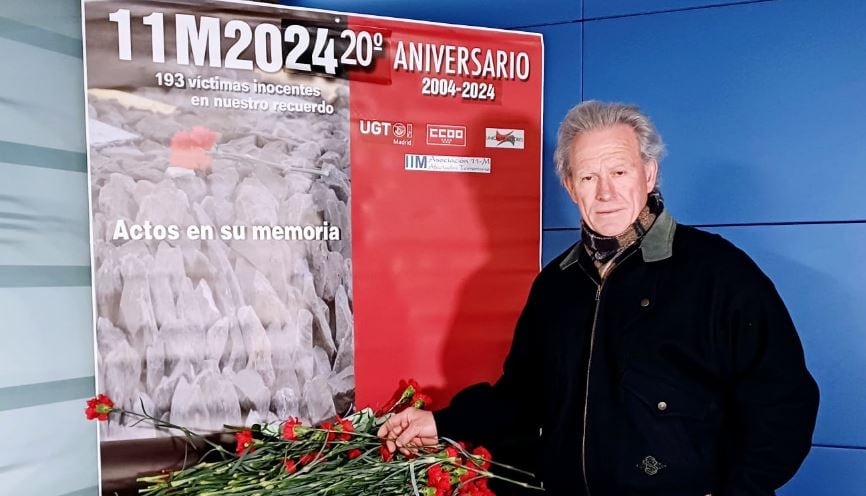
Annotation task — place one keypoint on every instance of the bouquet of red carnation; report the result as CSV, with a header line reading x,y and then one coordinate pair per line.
x,y
340,457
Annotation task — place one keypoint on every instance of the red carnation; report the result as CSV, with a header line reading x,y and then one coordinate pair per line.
x,y
245,441
347,427
420,400
439,478
433,475
452,452
467,477
309,458
478,487
99,407
481,458
291,466
289,432
413,384
405,391
354,453
329,426
481,485
386,455
444,485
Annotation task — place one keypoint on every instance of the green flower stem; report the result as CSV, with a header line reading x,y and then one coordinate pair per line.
x,y
260,471
159,423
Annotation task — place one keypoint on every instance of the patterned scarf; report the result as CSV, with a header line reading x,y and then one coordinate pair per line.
x,y
603,249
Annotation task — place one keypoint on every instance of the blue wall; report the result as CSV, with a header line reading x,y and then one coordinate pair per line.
x,y
763,107
761,104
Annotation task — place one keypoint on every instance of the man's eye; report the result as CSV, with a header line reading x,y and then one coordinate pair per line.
x,y
619,173
586,178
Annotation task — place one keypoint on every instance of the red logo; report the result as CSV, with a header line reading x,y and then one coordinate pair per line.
x,y
395,133
505,137
440,134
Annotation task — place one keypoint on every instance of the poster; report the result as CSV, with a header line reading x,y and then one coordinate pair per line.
x,y
293,209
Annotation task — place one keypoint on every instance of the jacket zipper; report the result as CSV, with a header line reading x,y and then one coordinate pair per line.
x,y
586,388
599,285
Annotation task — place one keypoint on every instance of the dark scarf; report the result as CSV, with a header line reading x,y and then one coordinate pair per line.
x,y
603,249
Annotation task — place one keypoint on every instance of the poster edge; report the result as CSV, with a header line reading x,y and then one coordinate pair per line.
x,y
93,315
541,162
374,16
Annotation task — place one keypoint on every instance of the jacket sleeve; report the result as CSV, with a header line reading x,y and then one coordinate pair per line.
x,y
483,413
774,398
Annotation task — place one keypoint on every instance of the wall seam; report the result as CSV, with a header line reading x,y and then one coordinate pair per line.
x,y
34,36
42,156
50,276
46,393
636,14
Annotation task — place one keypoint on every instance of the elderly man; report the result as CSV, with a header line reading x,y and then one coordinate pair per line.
x,y
653,358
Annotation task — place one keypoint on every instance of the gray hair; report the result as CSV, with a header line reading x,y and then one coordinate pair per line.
x,y
593,114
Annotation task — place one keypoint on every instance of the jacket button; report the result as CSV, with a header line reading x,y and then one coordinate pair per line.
x,y
662,406
644,302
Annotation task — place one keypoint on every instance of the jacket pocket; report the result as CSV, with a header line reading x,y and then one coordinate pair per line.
x,y
669,436
665,399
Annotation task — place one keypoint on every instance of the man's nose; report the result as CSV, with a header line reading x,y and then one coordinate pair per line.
x,y
604,190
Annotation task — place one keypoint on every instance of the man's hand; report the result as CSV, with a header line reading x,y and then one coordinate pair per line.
x,y
409,430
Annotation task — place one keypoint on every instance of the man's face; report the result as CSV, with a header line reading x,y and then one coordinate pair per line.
x,y
609,181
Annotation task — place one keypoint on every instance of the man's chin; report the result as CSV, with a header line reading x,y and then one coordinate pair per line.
x,y
610,228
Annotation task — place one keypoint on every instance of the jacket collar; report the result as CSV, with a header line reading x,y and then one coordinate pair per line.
x,y
656,245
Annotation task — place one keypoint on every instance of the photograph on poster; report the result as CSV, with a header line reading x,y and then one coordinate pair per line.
x,y
221,235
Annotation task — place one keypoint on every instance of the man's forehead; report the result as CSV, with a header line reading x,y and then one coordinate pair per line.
x,y
619,135
609,142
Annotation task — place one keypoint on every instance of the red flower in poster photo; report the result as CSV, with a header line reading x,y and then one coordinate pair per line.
x,y
191,149
98,408
195,150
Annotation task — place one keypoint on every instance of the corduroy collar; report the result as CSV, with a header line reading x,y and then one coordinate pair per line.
x,y
657,244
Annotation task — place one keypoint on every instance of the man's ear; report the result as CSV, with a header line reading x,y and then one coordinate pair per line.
x,y
568,184
651,169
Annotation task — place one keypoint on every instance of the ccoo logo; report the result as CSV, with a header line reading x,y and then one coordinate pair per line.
x,y
440,134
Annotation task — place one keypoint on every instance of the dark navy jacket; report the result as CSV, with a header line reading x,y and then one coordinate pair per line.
x,y
679,374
